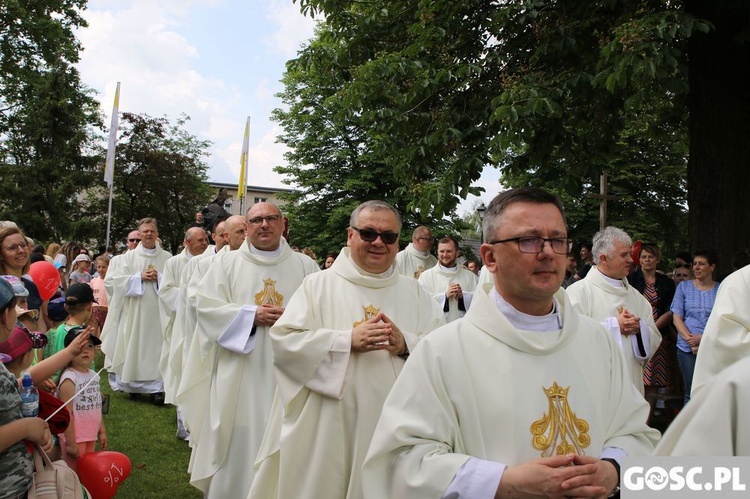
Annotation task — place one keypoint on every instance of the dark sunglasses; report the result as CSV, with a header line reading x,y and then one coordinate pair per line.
x,y
682,265
369,235
134,240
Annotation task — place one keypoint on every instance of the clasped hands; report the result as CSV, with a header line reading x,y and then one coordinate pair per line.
x,y
454,291
568,475
378,333
150,274
267,315
629,323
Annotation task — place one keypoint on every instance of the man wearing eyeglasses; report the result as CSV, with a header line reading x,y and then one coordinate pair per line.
x,y
242,294
134,348
451,285
338,349
606,296
416,257
522,397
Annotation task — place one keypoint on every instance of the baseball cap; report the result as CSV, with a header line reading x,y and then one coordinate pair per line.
x,y
75,331
17,344
56,309
81,258
79,293
18,288
6,292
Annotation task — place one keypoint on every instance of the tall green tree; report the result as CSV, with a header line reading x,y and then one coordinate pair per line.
x,y
160,172
559,92
48,120
331,159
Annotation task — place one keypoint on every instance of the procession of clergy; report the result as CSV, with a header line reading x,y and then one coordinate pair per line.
x,y
394,375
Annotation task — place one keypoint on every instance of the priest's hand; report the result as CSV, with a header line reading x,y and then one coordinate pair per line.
x,y
150,274
629,323
545,477
267,315
397,342
454,291
371,335
597,483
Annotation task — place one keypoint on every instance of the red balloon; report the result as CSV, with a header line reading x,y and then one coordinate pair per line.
x,y
46,277
103,472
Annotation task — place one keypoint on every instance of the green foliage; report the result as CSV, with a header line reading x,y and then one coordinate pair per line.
x,y
332,161
47,120
553,93
160,172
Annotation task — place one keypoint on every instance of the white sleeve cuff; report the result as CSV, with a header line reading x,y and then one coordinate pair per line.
x,y
238,336
614,329
328,379
476,478
615,453
135,286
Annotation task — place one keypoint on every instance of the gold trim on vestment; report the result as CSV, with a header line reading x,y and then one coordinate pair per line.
x,y
559,431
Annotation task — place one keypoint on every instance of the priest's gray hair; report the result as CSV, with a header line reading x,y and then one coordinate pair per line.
x,y
494,213
605,240
374,205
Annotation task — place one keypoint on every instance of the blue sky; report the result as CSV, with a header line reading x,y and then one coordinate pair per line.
x,y
218,61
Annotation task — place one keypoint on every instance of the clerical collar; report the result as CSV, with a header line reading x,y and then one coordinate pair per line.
x,y
616,283
552,322
266,254
448,269
359,269
151,251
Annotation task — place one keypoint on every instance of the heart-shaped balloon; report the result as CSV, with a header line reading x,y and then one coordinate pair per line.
x,y
46,277
103,472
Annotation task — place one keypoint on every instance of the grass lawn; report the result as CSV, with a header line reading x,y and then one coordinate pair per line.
x,y
146,434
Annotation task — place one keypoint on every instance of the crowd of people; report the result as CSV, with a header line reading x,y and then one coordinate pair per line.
x,y
378,372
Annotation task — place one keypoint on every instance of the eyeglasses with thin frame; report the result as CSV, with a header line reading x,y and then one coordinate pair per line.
x,y
533,244
14,247
431,238
259,220
370,235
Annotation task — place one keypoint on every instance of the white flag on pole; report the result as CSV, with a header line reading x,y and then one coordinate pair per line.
x,y
109,166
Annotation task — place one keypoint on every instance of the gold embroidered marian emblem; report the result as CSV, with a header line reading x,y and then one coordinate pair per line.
x,y
559,431
269,295
370,312
418,272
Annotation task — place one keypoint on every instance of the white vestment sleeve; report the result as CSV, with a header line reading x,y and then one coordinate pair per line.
x,y
615,453
329,378
614,329
476,478
440,298
467,299
645,340
135,286
238,336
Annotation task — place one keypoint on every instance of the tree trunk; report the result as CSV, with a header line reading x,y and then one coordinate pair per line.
x,y
719,105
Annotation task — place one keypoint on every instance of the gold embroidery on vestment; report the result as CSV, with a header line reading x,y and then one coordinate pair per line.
x,y
370,312
559,431
418,272
269,296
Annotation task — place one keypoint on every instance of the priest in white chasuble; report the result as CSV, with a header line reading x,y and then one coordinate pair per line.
x,y
338,349
134,352
416,257
243,293
521,397
606,296
726,338
195,243
449,283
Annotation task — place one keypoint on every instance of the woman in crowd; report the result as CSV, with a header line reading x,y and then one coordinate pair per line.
x,y
692,304
14,260
330,258
662,370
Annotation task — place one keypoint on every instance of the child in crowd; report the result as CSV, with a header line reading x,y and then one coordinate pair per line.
x,y
86,424
80,272
99,311
78,303
16,464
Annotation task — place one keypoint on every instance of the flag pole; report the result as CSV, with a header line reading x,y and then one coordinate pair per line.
x,y
242,184
109,166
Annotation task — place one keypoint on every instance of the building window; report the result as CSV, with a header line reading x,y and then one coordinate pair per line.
x,y
261,200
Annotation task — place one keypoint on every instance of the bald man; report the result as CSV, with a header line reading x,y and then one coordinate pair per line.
x,y
416,257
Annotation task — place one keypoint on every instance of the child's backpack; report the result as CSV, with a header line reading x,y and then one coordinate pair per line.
x,y
54,480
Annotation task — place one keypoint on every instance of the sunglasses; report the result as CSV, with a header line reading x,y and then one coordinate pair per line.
x,y
369,235
682,265
134,240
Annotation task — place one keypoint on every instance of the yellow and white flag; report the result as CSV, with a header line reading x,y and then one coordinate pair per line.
x,y
242,184
109,166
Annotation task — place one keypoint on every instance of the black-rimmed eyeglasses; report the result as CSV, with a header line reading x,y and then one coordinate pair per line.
x,y
530,244
370,235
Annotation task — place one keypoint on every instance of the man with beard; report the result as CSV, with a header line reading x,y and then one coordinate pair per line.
x,y
449,283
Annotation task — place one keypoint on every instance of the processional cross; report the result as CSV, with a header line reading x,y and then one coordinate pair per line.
x,y
603,197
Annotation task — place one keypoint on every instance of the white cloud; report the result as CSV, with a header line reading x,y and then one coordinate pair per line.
x,y
293,28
